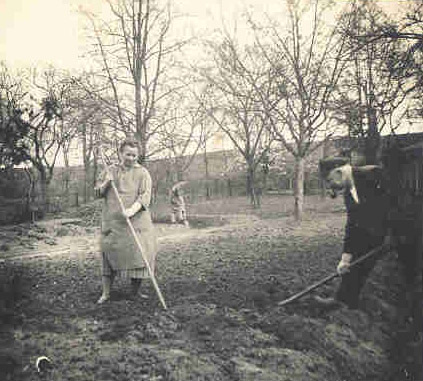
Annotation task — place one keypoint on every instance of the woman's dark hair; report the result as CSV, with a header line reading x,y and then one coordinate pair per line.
x,y
130,143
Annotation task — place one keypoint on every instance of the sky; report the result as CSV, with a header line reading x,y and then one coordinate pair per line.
x,y
42,32
50,32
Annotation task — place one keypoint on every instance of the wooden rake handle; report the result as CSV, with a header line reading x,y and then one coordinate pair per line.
x,y
325,280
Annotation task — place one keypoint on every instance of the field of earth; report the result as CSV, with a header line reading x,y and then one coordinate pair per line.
x,y
222,279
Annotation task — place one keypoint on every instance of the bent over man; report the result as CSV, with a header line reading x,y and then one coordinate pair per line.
x,y
120,254
367,204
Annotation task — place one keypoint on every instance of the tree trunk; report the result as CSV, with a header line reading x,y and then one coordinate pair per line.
x,y
86,162
95,170
44,199
141,131
140,126
372,144
86,182
250,185
299,187
179,169
229,188
66,176
322,184
29,196
206,163
322,187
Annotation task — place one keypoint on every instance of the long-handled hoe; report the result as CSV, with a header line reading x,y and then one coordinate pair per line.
x,y
371,253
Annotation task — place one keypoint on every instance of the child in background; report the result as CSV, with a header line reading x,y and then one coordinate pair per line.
x,y
178,206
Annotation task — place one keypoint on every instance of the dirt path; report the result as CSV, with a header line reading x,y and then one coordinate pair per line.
x,y
80,245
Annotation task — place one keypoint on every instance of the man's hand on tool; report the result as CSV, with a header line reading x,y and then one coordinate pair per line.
x,y
132,210
344,264
389,239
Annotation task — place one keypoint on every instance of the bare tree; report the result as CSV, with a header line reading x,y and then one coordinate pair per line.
x,y
371,90
51,108
132,48
233,105
70,98
90,119
47,135
185,127
304,70
183,136
13,127
408,29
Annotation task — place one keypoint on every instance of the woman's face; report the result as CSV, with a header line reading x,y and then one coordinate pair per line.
x,y
129,156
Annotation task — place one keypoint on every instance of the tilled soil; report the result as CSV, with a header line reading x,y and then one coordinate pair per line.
x,y
221,284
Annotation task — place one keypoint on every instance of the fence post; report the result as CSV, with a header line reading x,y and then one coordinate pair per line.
x,y
229,187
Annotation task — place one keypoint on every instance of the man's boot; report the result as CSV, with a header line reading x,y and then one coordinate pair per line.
x,y
329,303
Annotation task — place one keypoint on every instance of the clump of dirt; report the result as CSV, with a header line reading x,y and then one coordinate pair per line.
x,y
25,235
195,221
282,364
335,342
87,215
72,228
204,221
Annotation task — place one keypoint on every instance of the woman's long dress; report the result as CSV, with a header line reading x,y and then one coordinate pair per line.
x,y
120,252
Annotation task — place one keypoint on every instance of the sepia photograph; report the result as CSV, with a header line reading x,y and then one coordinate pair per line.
x,y
211,190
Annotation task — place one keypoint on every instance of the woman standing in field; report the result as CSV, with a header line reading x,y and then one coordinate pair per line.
x,y
120,254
